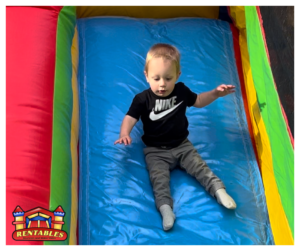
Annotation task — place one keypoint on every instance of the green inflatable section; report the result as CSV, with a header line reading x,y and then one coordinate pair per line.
x,y
267,96
61,166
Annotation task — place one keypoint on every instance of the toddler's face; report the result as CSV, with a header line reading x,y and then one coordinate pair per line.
x,y
161,76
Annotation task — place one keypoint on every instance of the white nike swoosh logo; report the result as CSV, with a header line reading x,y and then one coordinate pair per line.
x,y
154,116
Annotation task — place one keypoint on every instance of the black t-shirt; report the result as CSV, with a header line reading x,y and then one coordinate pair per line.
x,y
164,119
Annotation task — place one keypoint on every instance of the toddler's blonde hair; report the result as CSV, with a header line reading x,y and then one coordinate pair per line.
x,y
165,51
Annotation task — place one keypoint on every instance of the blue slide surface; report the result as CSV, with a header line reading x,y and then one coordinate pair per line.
x,y
116,203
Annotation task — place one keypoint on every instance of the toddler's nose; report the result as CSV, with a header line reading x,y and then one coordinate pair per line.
x,y
162,84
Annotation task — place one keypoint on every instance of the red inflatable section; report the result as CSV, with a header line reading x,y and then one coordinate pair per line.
x,y
30,64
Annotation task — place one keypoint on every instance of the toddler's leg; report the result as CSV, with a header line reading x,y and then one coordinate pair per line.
x,y
191,161
160,178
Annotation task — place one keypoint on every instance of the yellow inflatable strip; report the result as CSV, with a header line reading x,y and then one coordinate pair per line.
x,y
149,11
74,143
279,224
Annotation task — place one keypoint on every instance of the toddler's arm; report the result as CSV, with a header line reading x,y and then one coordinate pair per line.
x,y
126,127
205,98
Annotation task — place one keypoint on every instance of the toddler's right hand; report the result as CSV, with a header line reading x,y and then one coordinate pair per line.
x,y
124,139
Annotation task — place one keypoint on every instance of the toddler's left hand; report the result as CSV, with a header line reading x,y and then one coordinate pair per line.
x,y
223,90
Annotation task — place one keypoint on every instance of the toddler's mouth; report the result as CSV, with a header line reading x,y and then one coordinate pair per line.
x,y
161,91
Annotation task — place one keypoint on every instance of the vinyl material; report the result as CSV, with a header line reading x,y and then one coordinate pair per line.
x,y
116,204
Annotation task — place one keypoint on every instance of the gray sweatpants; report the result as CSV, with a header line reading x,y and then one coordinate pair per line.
x,y
161,161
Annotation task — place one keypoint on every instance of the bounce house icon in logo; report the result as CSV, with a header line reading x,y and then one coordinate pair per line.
x,y
39,224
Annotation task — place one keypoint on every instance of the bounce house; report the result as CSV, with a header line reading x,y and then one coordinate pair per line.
x,y
71,74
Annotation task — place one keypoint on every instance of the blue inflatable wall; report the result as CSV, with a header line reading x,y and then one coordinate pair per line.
x,y
116,199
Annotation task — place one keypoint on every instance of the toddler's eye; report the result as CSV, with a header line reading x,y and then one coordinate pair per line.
x,y
156,79
168,79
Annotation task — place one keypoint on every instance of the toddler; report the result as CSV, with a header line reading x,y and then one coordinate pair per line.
x,y
162,110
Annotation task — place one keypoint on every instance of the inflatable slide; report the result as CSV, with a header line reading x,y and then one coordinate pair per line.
x,y
71,76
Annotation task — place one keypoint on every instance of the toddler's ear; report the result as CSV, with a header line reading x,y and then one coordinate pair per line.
x,y
146,75
179,73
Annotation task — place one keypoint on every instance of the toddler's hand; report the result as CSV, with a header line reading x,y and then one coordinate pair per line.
x,y
223,90
124,139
